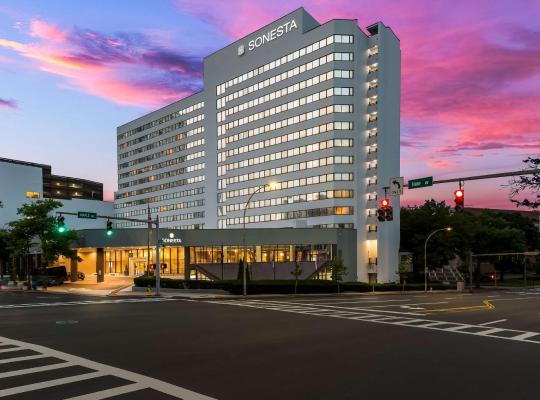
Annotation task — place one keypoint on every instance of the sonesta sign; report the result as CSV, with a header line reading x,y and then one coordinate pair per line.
x,y
273,34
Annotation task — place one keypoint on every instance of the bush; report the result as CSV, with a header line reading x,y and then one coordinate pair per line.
x,y
281,286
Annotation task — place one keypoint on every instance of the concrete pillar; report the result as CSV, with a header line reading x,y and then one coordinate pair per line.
x,y
74,265
100,265
187,263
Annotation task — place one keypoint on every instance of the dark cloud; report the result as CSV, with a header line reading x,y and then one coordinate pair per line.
x,y
5,103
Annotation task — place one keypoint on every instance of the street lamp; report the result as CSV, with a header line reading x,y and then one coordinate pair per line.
x,y
271,185
425,253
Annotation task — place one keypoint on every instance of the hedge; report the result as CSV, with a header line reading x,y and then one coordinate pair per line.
x,y
281,286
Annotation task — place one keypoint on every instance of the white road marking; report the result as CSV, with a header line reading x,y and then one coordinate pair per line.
x,y
380,316
105,394
35,369
46,384
493,322
143,382
84,303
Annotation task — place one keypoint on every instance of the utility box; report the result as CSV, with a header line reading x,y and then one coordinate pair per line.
x,y
461,286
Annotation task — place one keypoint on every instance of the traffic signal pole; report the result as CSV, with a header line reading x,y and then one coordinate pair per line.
x,y
149,222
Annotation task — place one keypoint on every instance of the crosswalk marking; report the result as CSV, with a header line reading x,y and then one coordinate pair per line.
x,y
33,370
137,381
386,317
51,383
85,302
105,394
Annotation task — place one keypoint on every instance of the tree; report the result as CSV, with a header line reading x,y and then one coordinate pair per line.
x,y
527,184
296,272
338,271
37,227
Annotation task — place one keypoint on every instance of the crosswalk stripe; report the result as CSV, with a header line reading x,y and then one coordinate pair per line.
x,y
15,359
83,303
53,382
10,350
35,369
101,370
105,394
377,316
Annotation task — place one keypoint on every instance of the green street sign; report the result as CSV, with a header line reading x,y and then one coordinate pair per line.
x,y
422,182
86,214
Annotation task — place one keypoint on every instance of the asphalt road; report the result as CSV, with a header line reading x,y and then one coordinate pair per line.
x,y
421,346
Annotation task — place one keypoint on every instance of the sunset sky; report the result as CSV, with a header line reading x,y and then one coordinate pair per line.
x,y
72,71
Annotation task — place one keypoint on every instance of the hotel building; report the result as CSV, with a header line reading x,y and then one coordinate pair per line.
x,y
304,114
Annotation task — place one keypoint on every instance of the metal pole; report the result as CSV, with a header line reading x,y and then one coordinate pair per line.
x,y
244,261
158,265
148,227
425,254
470,271
524,271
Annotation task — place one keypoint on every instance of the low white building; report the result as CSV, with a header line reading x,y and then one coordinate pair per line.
x,y
22,182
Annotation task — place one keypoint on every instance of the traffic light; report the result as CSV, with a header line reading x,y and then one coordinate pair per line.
x,y
109,228
60,224
381,214
385,203
389,213
459,199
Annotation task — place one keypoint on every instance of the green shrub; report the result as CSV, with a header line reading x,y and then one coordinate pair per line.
x,y
281,286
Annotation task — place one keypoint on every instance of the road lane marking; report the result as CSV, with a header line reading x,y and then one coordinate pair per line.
x,y
105,394
493,322
487,306
99,369
377,316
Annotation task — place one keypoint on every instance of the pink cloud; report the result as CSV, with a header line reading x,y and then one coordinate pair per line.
x,y
127,69
44,30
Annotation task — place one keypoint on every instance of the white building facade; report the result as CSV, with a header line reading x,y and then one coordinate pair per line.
x,y
24,182
305,114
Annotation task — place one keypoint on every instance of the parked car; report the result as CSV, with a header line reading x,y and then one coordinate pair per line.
x,y
53,276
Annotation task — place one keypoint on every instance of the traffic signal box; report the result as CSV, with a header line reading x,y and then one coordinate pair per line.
x,y
385,212
109,228
459,200
60,224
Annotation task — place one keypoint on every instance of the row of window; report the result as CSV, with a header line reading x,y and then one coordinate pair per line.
x,y
163,164
163,186
321,112
289,74
159,154
301,166
162,175
347,225
161,120
310,180
309,148
170,218
316,130
296,214
164,208
283,92
220,89
179,136
302,101
163,197
292,199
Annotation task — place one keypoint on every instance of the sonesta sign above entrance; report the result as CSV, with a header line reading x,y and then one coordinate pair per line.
x,y
271,35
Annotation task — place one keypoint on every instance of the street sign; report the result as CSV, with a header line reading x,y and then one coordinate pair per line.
x,y
86,215
422,182
396,186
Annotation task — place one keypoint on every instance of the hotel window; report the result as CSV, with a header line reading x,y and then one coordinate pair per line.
x,y
33,195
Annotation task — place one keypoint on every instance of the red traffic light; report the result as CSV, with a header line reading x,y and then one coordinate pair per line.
x,y
385,203
459,199
459,194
